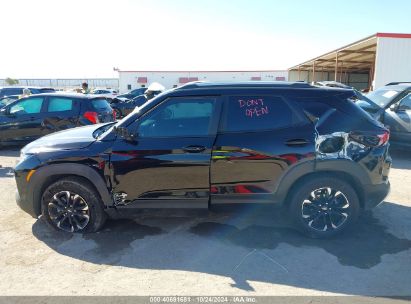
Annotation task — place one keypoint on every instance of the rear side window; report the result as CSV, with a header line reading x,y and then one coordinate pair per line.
x,y
253,113
100,104
335,115
58,104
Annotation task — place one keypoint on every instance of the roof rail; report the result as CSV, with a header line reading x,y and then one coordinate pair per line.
x,y
245,84
397,83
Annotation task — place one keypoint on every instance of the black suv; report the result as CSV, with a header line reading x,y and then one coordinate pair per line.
x,y
309,149
29,118
391,105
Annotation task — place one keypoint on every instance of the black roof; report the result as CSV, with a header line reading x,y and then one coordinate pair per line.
x,y
71,95
399,87
244,84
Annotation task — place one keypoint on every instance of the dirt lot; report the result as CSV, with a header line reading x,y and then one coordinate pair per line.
x,y
250,251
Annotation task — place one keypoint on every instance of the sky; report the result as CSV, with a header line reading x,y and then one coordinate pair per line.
x,y
87,38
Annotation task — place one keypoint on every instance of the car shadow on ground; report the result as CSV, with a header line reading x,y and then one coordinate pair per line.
x,y
249,244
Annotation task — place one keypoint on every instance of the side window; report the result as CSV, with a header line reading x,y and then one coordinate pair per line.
x,y
179,117
27,106
252,113
315,109
59,104
405,103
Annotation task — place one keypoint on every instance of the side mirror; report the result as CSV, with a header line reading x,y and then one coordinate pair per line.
x,y
394,107
125,134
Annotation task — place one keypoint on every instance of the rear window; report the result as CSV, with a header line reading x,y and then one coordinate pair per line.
x,y
12,91
253,113
100,104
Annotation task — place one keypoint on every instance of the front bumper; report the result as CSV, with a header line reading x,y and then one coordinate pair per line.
x,y
25,186
375,194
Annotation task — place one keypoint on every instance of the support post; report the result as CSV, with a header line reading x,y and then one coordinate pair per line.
x,y
336,66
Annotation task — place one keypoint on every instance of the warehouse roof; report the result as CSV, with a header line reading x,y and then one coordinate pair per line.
x,y
356,56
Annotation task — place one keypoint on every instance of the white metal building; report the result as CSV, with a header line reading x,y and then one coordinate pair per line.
x,y
67,83
371,62
129,80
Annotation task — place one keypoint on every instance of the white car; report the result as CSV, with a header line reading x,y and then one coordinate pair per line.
x,y
107,93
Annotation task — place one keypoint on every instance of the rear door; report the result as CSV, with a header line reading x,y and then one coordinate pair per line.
x,y
168,164
23,121
399,121
61,113
259,139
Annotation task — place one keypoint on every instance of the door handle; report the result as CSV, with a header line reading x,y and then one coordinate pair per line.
x,y
297,142
194,149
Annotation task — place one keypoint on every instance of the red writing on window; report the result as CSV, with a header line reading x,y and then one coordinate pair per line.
x,y
253,107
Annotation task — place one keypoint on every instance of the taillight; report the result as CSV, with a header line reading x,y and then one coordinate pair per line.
x,y
91,116
370,138
114,115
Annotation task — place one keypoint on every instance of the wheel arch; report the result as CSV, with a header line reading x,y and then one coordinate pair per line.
x,y
45,176
344,169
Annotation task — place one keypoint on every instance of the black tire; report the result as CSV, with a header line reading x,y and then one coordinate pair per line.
x,y
72,205
323,207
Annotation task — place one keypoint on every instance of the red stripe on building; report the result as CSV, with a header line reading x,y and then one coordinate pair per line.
x,y
393,35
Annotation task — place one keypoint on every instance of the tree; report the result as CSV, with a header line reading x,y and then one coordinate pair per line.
x,y
11,81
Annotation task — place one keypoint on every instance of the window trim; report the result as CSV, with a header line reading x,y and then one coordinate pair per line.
x,y
215,117
223,123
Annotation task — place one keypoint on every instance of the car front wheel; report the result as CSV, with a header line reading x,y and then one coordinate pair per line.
x,y
72,205
323,207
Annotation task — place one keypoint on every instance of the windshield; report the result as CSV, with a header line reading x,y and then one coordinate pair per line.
x,y
382,97
6,100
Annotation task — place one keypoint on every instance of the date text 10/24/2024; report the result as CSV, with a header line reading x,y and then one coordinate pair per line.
x,y
253,107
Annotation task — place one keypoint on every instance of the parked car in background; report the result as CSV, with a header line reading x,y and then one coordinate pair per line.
x,y
29,118
332,84
133,93
107,93
18,90
4,101
391,105
122,106
308,149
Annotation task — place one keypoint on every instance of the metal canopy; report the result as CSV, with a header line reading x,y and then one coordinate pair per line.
x,y
357,57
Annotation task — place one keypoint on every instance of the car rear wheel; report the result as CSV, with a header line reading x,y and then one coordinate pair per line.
x,y
323,207
72,205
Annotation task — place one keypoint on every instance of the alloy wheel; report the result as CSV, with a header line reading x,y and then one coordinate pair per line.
x,y
69,211
325,209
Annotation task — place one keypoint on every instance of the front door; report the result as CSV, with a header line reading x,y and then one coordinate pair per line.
x,y
168,163
399,122
22,121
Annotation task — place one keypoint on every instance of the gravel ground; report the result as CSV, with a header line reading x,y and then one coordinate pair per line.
x,y
250,251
